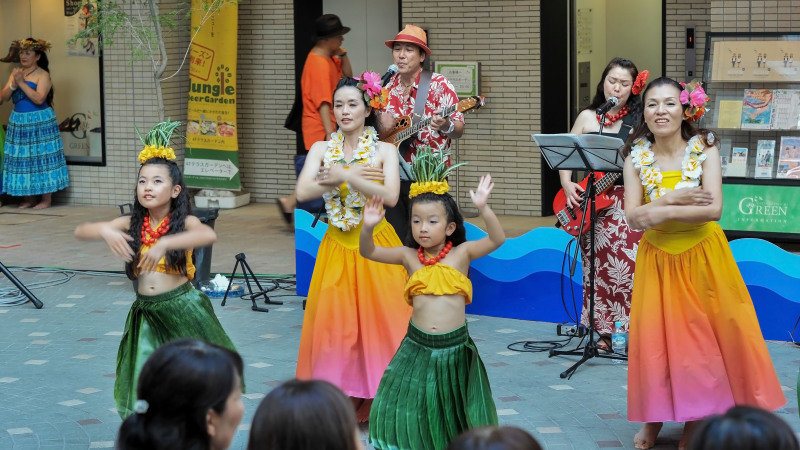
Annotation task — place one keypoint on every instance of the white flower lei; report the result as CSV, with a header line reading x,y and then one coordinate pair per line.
x,y
347,215
692,166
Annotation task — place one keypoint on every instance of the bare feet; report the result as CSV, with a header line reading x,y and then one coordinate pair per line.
x,y
47,200
688,430
25,205
362,413
646,437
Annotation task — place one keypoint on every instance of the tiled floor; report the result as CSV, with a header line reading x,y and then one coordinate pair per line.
x,y
57,363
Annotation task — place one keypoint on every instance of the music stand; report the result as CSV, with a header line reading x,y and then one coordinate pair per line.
x,y
240,260
589,152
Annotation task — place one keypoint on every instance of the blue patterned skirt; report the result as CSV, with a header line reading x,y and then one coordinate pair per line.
x,y
34,162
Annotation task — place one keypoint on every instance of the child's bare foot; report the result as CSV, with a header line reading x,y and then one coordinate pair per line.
x,y
646,437
688,430
362,413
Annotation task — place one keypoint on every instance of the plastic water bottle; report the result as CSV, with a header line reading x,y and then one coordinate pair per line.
x,y
619,342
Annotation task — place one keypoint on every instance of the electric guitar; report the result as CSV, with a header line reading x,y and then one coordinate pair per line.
x,y
405,127
572,219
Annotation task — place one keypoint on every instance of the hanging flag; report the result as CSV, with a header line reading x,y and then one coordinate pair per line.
x,y
212,145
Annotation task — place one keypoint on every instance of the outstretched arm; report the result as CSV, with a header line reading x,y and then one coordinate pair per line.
x,y
372,215
495,234
114,232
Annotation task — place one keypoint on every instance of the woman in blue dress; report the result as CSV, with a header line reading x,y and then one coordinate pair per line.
x,y
33,161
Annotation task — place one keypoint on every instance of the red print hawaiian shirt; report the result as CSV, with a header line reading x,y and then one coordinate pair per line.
x,y
441,94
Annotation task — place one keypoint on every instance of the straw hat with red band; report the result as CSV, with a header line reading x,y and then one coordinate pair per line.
x,y
413,35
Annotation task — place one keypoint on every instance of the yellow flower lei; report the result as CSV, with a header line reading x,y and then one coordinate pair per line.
x,y
692,166
151,151
346,214
437,187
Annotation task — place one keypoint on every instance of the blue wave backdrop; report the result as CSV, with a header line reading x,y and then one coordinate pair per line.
x,y
528,276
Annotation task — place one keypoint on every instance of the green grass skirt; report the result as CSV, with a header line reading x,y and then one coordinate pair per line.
x,y
153,320
435,388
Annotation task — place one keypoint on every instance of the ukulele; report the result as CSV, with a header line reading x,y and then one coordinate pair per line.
x,y
572,219
404,127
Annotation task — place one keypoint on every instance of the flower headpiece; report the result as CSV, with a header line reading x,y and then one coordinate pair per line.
x,y
156,142
374,94
431,169
694,97
641,80
39,45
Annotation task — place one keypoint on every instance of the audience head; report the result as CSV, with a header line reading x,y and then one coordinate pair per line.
x,y
744,428
495,438
189,397
305,415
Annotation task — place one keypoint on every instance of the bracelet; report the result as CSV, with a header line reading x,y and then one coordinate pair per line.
x,y
12,88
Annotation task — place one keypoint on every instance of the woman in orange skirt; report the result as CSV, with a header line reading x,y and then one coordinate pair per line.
x,y
355,315
696,347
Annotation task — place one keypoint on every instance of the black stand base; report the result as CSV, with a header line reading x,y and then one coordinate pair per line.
x,y
588,352
38,304
253,296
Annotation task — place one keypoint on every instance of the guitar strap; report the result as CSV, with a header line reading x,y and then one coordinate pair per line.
x,y
420,100
626,128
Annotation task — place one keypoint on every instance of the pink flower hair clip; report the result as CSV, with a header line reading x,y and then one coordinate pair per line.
x,y
694,97
376,95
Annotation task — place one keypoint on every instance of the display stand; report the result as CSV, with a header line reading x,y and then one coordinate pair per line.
x,y
590,153
240,260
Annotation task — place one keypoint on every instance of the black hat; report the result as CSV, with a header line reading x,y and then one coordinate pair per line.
x,y
328,26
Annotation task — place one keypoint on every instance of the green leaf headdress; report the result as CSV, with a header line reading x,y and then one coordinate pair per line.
x,y
157,140
430,169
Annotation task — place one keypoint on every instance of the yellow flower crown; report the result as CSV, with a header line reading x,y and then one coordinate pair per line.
x,y
39,45
430,170
156,141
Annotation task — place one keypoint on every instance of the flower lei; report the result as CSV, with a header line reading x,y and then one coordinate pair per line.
x,y
643,159
38,45
641,80
695,98
346,214
156,142
375,95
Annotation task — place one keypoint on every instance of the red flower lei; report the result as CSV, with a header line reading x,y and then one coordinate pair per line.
x,y
435,259
611,118
162,229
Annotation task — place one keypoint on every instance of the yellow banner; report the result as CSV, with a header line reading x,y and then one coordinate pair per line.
x,y
212,159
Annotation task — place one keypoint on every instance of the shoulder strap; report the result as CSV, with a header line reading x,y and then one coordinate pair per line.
x,y
422,93
627,127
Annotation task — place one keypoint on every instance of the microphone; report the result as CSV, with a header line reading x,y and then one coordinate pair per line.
x,y
389,72
606,107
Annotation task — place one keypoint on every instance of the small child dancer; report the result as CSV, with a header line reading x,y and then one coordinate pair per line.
x,y
156,241
436,385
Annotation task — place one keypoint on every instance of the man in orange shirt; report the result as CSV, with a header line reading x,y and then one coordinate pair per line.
x,y
326,63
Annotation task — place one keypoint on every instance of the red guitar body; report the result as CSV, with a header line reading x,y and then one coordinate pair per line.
x,y
571,219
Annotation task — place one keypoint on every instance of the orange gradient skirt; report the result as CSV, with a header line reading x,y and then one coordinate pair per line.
x,y
355,314
695,344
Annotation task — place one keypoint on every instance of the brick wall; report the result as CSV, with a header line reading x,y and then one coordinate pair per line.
x,y
504,37
501,34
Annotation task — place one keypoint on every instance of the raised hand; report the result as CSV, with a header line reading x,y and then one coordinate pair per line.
x,y
480,196
373,211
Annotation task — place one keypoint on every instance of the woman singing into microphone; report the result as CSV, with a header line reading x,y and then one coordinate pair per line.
x,y
615,243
